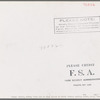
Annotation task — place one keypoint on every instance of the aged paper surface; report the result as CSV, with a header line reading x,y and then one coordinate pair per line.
x,y
49,49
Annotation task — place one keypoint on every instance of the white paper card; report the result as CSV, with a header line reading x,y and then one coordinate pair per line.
x,y
49,49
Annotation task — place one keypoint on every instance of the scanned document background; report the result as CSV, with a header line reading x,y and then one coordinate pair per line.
x,y
49,49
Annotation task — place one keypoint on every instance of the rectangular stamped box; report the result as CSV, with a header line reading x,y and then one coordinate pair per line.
x,y
76,24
